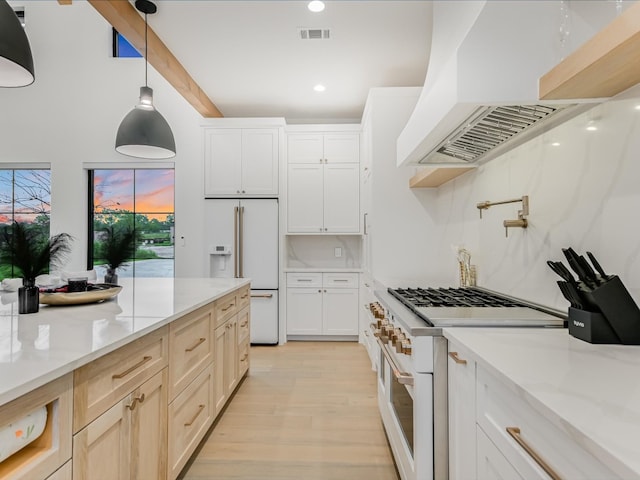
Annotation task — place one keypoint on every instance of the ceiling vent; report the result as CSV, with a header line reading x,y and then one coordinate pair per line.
x,y
314,33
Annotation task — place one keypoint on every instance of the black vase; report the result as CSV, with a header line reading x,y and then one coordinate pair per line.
x,y
28,297
111,277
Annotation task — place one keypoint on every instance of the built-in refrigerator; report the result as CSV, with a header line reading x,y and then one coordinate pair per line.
x,y
242,242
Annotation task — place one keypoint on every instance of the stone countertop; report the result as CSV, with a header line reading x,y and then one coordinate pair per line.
x,y
592,390
40,347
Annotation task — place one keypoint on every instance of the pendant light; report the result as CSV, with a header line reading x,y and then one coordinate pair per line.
x,y
16,61
144,132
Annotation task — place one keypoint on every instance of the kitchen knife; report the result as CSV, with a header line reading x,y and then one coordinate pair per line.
x,y
597,266
562,271
574,263
588,270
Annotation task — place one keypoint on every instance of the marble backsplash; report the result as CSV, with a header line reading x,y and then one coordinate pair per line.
x,y
584,192
319,251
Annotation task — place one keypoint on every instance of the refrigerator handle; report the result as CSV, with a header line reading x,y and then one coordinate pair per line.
x,y
241,243
235,242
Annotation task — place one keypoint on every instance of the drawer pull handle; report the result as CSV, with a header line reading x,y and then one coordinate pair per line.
x,y
457,359
244,296
304,280
244,324
227,307
514,432
144,360
136,400
200,409
244,357
340,280
200,341
262,295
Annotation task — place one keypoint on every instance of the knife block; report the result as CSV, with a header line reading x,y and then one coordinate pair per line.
x,y
591,327
618,308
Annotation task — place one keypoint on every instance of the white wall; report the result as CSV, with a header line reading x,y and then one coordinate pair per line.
x,y
70,116
583,193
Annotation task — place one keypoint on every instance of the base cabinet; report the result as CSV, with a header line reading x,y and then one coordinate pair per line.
x,y
492,464
225,364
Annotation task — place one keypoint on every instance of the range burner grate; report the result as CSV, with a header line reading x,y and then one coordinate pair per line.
x,y
451,297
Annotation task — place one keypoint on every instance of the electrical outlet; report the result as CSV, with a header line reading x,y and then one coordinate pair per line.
x,y
337,251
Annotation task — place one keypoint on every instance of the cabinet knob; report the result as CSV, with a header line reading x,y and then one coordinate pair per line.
x,y
325,229
320,160
237,191
243,191
319,291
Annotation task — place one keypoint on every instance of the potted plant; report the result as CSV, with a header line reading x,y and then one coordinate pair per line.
x,y
116,248
32,255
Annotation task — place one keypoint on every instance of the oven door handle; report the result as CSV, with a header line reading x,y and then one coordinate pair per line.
x,y
403,377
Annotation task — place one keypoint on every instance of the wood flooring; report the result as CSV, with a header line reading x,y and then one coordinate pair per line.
x,y
307,410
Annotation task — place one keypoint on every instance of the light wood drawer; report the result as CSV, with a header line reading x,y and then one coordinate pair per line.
x,y
190,348
105,381
225,308
243,357
304,279
50,450
243,325
340,280
63,473
244,297
190,415
499,408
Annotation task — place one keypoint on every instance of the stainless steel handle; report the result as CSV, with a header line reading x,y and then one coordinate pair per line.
x,y
144,360
200,341
262,295
514,432
403,377
241,244
340,280
457,359
365,223
235,241
193,419
304,280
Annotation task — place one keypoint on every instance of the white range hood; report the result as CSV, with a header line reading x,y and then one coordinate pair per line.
x,y
480,96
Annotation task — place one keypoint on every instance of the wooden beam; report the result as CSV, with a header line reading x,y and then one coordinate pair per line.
x,y
607,64
123,16
65,2
436,176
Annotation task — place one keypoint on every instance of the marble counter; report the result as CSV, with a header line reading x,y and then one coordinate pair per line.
x,y
593,390
40,347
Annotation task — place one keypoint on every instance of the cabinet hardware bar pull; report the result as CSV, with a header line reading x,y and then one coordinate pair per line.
x,y
144,360
244,296
304,280
200,408
136,400
244,324
340,280
235,241
403,377
262,295
245,357
514,432
227,307
200,341
457,359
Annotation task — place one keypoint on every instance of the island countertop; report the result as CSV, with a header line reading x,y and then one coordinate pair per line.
x,y
40,347
592,390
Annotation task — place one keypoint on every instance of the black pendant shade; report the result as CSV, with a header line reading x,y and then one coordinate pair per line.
x,y
143,132
16,61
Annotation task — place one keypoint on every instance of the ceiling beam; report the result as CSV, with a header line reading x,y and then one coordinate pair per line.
x,y
607,64
65,2
125,19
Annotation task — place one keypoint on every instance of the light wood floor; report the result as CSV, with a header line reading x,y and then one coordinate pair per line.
x,y
308,410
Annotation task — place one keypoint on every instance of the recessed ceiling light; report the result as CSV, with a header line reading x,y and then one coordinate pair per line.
x,y
592,126
637,107
555,144
316,6
319,88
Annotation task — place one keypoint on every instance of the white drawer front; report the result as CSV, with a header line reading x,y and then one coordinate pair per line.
x,y
504,417
340,280
304,279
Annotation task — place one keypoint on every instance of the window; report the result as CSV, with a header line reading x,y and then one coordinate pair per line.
x,y
138,200
122,48
25,197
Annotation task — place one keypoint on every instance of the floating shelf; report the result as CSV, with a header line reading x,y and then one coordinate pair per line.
x,y
607,64
436,176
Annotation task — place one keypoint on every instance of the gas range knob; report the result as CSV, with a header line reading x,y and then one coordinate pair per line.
x,y
400,343
406,347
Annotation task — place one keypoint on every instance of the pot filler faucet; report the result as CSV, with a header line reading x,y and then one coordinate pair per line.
x,y
521,221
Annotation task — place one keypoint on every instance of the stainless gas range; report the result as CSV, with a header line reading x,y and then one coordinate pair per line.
x,y
412,366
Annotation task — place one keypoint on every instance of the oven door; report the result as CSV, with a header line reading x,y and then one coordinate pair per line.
x,y
396,404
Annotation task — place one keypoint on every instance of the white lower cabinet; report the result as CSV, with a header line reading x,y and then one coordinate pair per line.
x,y
495,433
322,304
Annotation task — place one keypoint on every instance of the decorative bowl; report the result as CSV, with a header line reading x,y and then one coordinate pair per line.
x,y
97,292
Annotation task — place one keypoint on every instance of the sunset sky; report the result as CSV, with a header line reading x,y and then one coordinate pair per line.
x,y
114,190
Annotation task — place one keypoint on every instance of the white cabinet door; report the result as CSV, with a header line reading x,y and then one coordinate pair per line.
x,y
307,148
462,414
260,161
340,311
222,154
342,148
304,202
492,464
304,311
341,195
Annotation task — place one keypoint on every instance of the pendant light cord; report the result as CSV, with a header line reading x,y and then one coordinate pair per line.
x,y
145,50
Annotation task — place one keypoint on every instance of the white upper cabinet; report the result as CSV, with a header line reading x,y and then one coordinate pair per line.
x,y
323,183
241,162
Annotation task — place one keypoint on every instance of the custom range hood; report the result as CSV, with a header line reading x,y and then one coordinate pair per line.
x,y
480,97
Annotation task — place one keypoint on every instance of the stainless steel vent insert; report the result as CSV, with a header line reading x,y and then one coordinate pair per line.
x,y
314,33
490,127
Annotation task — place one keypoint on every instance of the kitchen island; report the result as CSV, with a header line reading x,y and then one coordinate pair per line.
x,y
540,403
155,364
